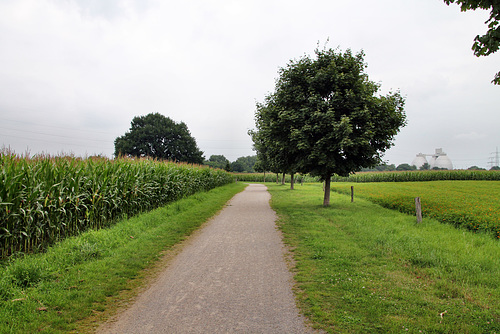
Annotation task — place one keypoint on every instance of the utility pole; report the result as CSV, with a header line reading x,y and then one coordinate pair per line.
x,y
494,161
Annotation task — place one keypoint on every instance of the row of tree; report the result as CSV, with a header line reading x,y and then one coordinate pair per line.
x,y
407,167
325,117
241,165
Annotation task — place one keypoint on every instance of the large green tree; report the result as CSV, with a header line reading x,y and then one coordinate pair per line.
x,y
328,116
489,42
157,136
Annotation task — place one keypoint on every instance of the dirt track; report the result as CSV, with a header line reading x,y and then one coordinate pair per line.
x,y
230,278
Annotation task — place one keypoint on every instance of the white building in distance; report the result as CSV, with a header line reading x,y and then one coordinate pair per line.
x,y
438,159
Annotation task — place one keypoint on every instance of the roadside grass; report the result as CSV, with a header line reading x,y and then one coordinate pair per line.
x,y
361,268
84,277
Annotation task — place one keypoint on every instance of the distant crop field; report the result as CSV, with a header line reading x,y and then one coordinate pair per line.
x,y
421,176
46,199
473,205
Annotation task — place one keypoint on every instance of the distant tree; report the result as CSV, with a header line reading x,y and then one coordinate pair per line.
x,y
157,136
380,168
495,168
272,139
217,161
259,166
325,117
489,42
237,166
425,166
270,143
475,168
404,167
263,163
244,164
384,167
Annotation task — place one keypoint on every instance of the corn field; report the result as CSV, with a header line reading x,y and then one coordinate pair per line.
x,y
45,199
415,176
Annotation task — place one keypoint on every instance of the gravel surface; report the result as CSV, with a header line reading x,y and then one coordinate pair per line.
x,y
230,278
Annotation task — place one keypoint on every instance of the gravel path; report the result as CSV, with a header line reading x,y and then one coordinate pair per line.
x,y
230,278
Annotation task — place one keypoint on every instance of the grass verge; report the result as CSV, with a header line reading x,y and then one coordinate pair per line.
x,y
361,268
82,277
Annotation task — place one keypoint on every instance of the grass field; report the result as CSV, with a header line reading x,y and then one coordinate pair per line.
x,y
362,268
473,205
85,278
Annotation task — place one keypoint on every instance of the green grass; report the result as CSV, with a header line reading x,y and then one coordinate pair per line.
x,y
81,277
472,205
361,268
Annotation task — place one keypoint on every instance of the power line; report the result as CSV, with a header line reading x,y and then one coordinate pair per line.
x,y
48,134
53,126
53,142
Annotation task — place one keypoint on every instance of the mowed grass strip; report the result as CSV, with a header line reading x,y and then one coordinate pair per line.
x,y
83,277
362,268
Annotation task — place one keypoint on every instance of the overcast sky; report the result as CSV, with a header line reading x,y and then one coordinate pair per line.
x,y
73,73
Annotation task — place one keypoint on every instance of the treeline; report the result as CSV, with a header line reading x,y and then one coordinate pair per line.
x,y
415,176
408,167
241,165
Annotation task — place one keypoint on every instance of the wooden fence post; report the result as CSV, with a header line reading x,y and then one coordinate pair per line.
x,y
418,209
352,194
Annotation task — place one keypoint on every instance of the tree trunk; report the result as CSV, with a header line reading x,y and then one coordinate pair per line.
x,y
283,179
292,181
277,178
264,177
326,200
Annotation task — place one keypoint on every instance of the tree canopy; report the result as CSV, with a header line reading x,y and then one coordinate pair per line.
x,y
489,42
326,118
244,164
157,136
403,167
218,161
